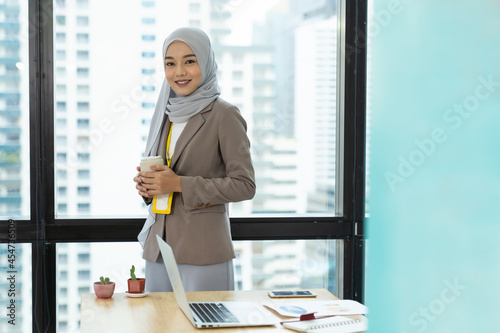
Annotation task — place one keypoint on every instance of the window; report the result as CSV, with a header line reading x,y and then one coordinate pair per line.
x,y
61,157
288,212
61,140
83,174
83,290
63,292
84,258
83,123
82,106
148,105
62,208
148,38
61,123
61,71
82,55
82,3
83,208
61,37
60,55
62,190
83,157
148,54
84,275
83,191
237,75
61,106
148,20
61,89
255,71
62,174
82,38
82,21
61,20
63,308
148,4
82,72
83,89
194,7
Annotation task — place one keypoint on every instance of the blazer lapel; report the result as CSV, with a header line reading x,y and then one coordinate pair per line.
x,y
192,126
187,134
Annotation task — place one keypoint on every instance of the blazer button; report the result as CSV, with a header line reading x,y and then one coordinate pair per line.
x,y
207,205
198,206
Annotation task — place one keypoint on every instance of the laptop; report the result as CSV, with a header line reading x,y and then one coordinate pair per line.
x,y
212,314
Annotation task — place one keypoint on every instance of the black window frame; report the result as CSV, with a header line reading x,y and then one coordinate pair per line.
x,y
44,231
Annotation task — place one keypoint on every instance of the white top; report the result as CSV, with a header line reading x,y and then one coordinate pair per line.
x,y
177,129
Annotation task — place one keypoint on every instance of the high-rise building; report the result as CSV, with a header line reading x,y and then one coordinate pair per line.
x,y
15,272
316,46
13,90
72,107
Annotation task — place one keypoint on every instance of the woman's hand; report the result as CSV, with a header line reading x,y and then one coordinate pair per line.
x,y
161,180
139,184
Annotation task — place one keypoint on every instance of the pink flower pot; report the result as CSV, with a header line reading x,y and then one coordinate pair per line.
x,y
104,290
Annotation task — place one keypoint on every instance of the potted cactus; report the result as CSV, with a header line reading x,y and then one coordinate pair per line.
x,y
104,288
135,285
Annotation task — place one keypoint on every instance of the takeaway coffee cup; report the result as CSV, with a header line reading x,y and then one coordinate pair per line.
x,y
147,162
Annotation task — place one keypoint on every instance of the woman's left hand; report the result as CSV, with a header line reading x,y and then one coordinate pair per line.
x,y
161,180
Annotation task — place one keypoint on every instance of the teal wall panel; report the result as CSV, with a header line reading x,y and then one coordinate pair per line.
x,y
433,196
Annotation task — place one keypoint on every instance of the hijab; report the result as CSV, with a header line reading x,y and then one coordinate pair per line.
x,y
180,108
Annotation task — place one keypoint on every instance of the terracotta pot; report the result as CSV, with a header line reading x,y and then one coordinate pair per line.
x,y
136,286
104,290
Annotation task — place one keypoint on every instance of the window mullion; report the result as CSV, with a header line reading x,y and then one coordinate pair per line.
x,y
42,164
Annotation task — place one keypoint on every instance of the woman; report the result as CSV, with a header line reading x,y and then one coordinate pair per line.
x,y
210,165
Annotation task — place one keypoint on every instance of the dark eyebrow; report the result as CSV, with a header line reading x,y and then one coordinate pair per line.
x,y
186,56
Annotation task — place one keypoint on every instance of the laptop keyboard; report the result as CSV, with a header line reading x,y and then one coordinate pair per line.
x,y
213,313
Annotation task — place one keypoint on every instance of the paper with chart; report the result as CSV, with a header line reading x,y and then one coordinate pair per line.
x,y
319,308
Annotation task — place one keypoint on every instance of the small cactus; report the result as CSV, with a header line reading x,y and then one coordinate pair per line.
x,y
104,280
132,273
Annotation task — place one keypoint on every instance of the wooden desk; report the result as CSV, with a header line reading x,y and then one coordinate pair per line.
x,y
159,312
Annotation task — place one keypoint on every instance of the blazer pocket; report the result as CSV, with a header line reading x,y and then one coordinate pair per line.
x,y
212,209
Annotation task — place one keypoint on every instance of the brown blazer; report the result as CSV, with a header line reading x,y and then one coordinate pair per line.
x,y
212,156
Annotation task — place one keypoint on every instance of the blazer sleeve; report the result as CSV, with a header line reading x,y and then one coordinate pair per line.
x,y
238,183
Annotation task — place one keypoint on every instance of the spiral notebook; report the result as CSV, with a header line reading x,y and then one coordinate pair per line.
x,y
336,324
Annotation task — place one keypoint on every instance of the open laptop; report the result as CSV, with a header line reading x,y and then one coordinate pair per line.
x,y
212,314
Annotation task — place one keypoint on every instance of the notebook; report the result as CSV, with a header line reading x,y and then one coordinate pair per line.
x,y
334,324
212,314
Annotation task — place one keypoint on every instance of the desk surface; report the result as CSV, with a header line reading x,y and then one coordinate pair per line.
x,y
159,312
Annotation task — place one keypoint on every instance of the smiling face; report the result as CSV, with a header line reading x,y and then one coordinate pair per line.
x,y
182,70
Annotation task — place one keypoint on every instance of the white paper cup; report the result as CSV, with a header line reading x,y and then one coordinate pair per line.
x,y
147,162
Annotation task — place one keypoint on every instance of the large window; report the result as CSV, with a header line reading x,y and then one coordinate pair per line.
x,y
278,66
92,88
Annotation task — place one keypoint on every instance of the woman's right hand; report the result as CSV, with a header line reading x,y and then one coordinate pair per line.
x,y
138,184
